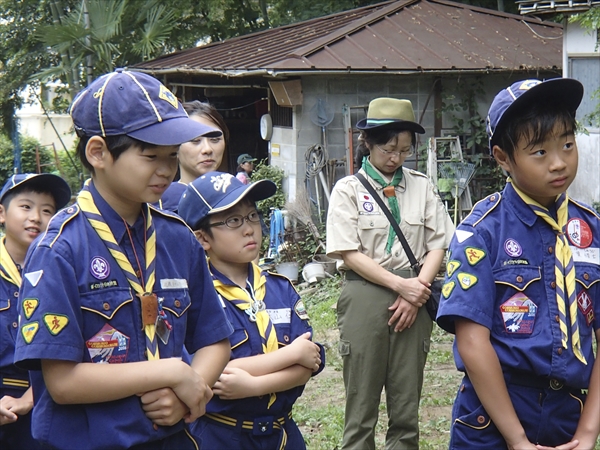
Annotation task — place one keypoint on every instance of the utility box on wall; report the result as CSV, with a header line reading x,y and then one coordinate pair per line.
x,y
287,93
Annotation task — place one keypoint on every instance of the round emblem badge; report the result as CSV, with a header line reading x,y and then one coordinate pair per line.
x,y
368,206
579,233
512,248
99,267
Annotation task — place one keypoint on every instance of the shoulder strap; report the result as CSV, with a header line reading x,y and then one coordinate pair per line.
x,y
411,257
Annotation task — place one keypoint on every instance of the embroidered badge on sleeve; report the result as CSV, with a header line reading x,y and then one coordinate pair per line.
x,y
29,307
29,330
55,323
474,255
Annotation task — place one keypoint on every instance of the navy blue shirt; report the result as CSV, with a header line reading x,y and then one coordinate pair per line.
x,y
500,274
87,312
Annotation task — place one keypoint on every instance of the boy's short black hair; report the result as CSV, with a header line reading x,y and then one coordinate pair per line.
x,y
35,188
534,124
116,146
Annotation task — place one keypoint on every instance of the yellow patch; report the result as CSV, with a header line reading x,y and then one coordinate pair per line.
x,y
168,96
474,255
466,280
29,330
448,288
55,323
29,306
451,267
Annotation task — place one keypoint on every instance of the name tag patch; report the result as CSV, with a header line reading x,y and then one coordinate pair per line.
x,y
589,255
108,346
173,283
280,315
518,314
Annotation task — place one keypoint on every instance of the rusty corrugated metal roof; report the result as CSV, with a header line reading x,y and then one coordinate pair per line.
x,y
394,36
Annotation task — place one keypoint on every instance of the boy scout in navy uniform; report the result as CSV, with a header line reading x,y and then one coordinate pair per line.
x,y
27,202
272,356
115,288
522,289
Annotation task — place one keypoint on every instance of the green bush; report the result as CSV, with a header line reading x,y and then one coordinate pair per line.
x,y
263,171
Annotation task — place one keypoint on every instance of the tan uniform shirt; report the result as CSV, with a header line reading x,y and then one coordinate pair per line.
x,y
355,221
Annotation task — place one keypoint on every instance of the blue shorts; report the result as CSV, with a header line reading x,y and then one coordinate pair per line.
x,y
548,415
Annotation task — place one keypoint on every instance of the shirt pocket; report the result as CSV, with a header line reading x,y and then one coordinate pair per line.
x,y
109,328
413,228
587,285
517,289
284,336
373,222
240,343
175,303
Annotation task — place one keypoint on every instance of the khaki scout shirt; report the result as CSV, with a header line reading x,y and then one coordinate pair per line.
x,y
355,221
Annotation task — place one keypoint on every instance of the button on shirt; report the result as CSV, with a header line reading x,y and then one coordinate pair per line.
x,y
500,274
87,312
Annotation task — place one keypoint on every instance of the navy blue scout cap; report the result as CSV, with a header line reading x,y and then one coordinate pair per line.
x,y
562,91
137,105
214,192
45,182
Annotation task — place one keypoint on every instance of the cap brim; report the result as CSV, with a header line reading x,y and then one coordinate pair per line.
x,y
259,190
174,131
396,124
54,184
565,91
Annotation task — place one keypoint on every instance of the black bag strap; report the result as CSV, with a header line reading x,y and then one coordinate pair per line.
x,y
411,256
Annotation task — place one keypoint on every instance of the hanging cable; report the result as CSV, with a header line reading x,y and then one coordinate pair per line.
x,y
316,159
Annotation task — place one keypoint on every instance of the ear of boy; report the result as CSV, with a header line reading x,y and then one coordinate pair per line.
x,y
502,158
96,152
202,237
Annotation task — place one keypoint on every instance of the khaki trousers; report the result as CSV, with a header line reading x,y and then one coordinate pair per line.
x,y
375,357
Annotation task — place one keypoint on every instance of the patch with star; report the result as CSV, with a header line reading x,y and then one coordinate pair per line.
x,y
55,323
474,255
448,288
584,303
29,307
466,280
29,330
518,314
451,267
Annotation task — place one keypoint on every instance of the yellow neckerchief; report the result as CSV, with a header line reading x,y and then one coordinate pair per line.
x,y
564,268
243,300
86,202
8,267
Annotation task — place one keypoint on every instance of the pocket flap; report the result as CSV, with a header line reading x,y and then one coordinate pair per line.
x,y
518,277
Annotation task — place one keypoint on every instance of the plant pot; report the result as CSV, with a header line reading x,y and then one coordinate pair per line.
x,y
313,272
327,262
288,269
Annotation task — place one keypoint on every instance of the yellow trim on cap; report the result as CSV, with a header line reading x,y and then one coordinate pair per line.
x,y
100,93
146,94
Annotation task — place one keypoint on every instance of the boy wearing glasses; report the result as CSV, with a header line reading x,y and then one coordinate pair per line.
x,y
384,330
272,356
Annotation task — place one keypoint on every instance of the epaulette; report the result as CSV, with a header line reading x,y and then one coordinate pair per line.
x,y
416,172
169,214
482,208
58,223
282,276
585,207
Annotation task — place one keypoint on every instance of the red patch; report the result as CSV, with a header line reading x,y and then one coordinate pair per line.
x,y
584,302
579,233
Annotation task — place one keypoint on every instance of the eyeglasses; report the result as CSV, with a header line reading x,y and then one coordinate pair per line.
x,y
405,153
238,220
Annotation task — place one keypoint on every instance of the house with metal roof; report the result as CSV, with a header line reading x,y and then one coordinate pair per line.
x,y
308,83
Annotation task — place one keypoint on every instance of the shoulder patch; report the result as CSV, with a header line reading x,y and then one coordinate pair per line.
x,y
300,310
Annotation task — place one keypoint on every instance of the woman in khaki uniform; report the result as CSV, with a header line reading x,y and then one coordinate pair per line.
x,y
384,329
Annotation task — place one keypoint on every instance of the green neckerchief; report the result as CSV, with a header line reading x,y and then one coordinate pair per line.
x,y
392,201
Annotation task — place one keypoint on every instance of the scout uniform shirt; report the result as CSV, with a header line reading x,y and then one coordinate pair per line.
x,y
501,274
77,305
357,222
290,319
171,197
15,381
